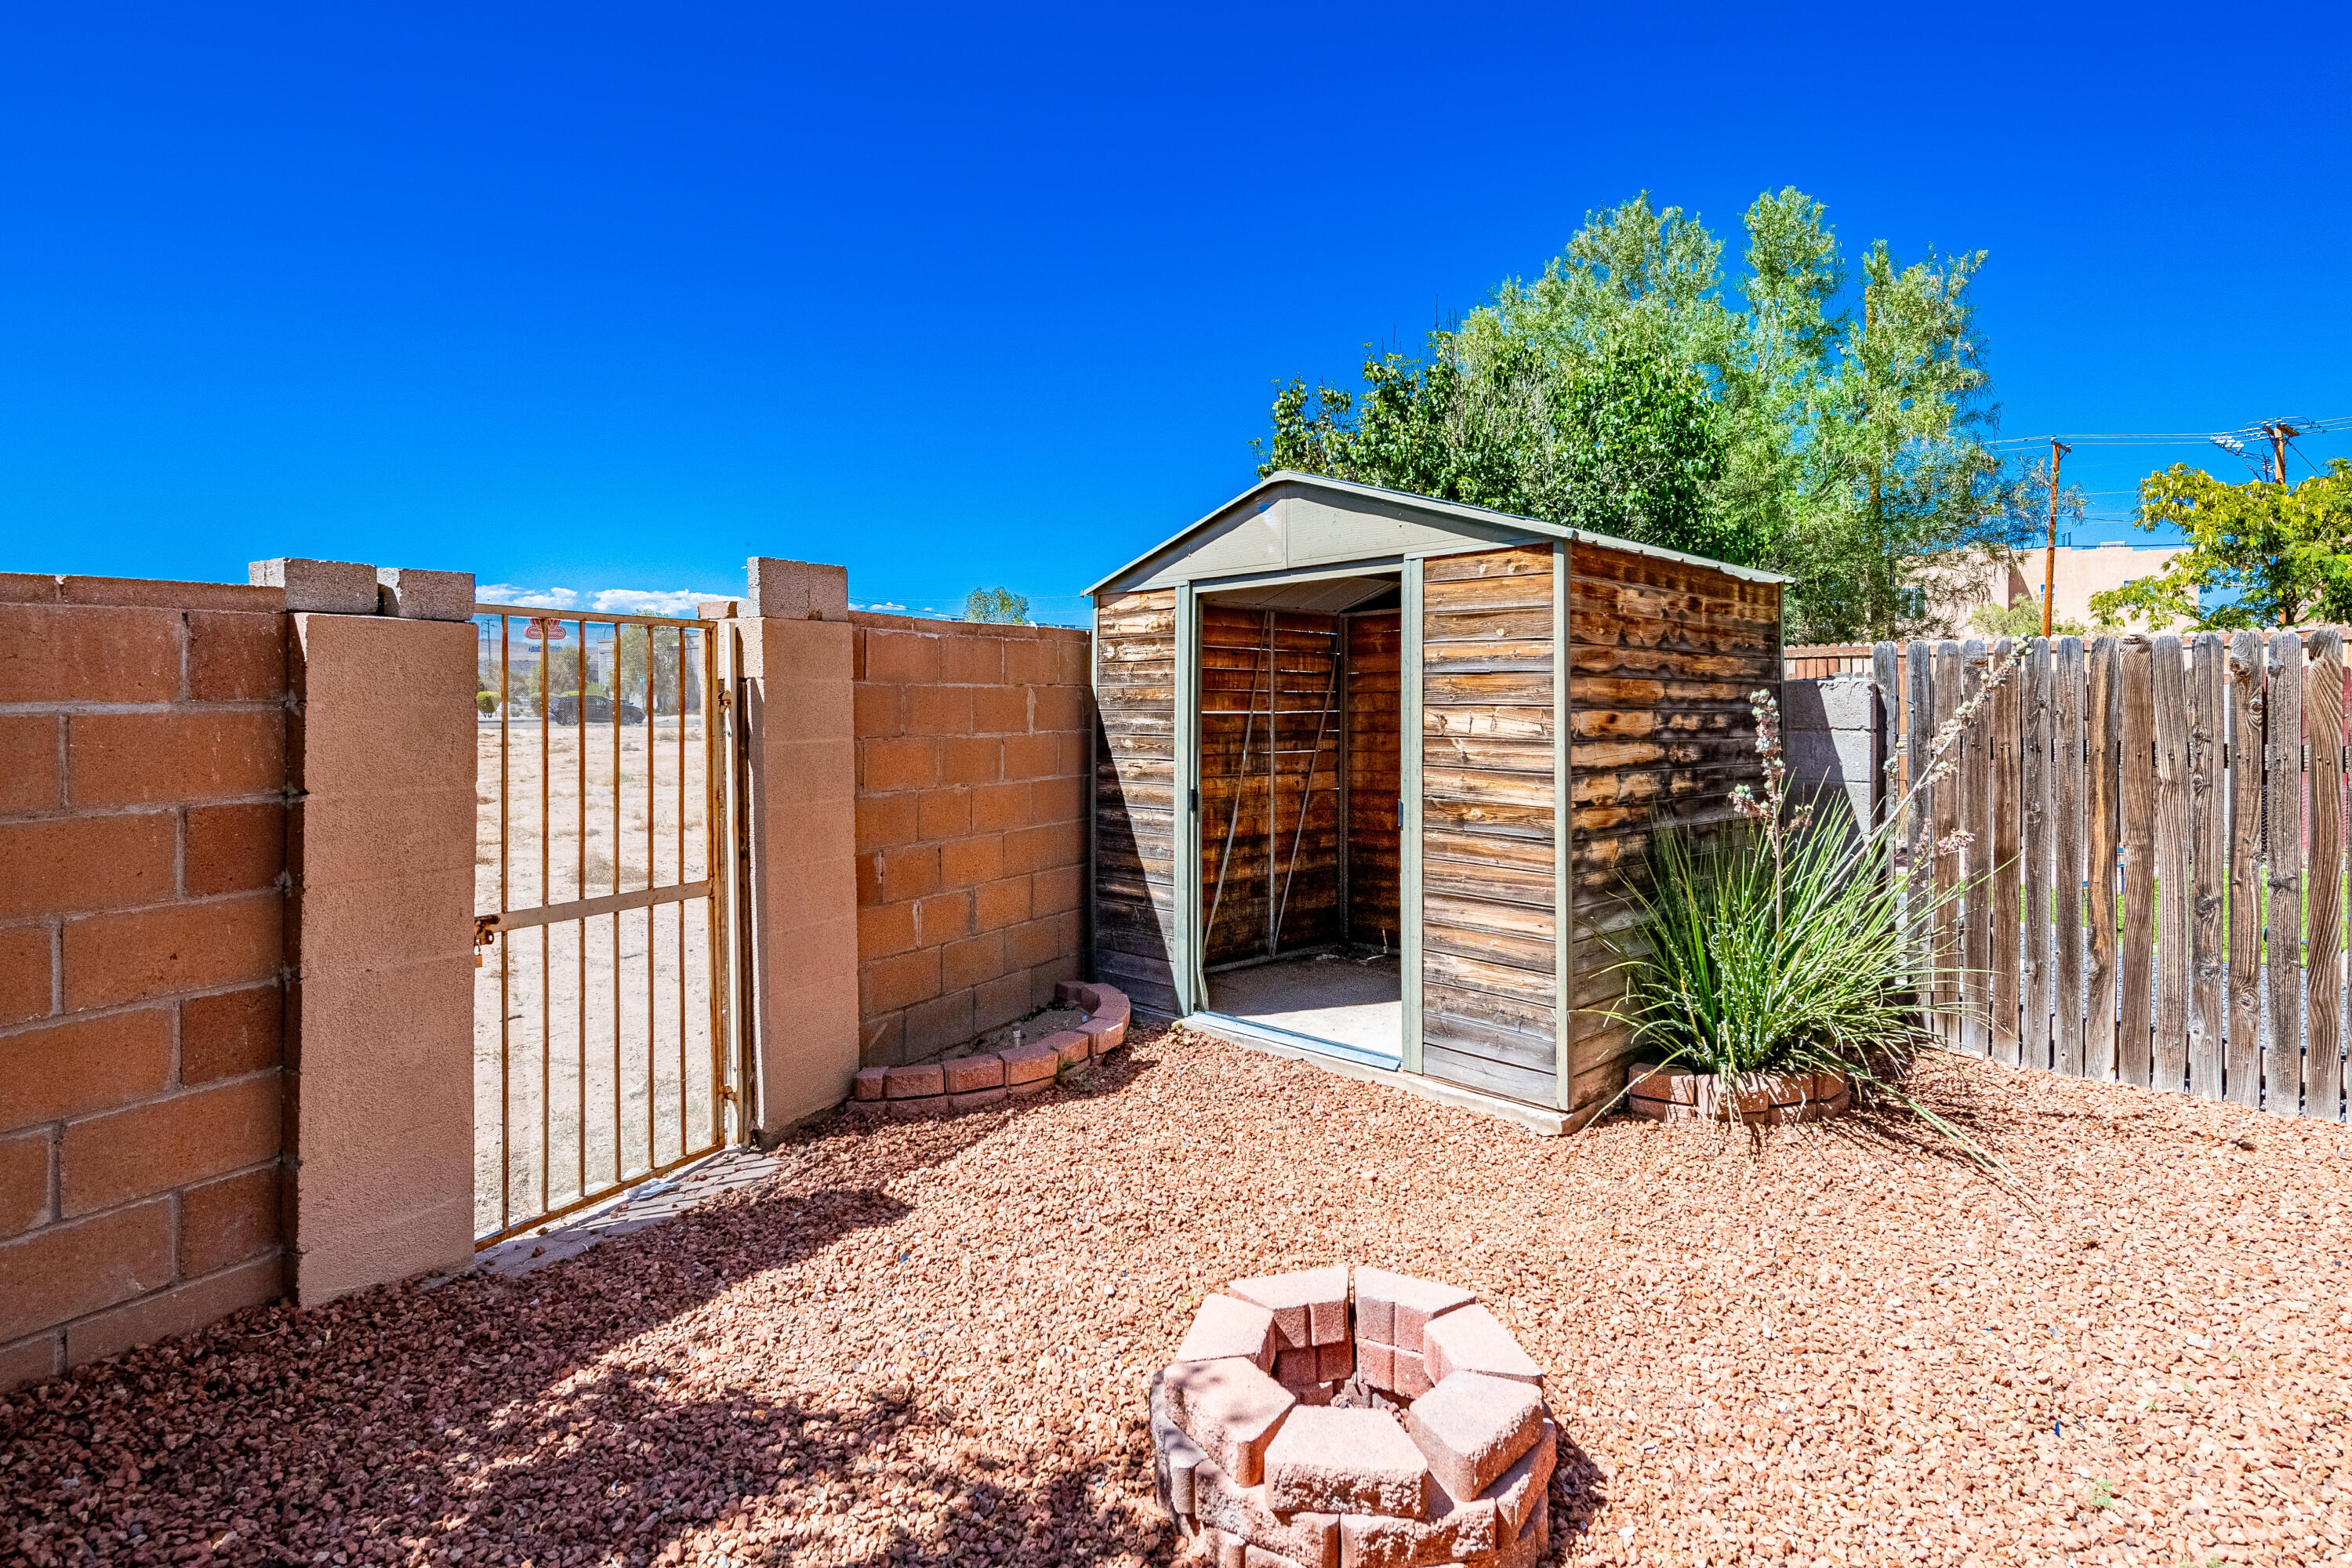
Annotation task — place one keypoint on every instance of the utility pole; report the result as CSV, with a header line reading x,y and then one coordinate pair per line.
x,y
2280,433
2058,449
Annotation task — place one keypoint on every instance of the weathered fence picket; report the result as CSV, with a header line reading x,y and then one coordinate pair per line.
x,y
2066,811
2007,811
2247,748
2323,715
2283,884
2151,871
2102,764
2206,724
2033,789
2169,1055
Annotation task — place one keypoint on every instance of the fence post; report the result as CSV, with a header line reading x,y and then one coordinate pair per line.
x,y
799,666
379,1010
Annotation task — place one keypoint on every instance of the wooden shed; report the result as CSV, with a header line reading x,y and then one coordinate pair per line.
x,y
1340,795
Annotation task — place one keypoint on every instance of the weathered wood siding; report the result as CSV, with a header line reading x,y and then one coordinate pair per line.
x,y
1135,796
1662,659
1270,744
1373,840
1489,803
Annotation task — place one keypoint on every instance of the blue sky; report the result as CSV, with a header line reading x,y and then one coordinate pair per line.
x,y
610,299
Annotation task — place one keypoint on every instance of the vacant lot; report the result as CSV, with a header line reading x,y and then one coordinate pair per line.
x,y
929,1342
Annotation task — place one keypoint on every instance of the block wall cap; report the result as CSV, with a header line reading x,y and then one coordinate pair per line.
x,y
797,590
414,595
319,587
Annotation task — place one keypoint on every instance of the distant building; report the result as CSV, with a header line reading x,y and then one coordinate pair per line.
x,y
2080,572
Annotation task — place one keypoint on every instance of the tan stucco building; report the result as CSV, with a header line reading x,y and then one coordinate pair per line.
x,y
2080,572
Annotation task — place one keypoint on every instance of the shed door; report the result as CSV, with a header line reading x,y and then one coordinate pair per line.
x,y
1490,956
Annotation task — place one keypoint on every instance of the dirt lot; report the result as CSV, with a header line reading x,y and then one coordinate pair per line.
x,y
643,974
929,1342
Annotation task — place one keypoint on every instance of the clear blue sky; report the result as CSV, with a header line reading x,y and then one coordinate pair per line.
x,y
614,298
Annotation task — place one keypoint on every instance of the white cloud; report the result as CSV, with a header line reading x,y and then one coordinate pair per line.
x,y
884,607
677,602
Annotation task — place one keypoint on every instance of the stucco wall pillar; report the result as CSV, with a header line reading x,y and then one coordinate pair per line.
x,y
379,1012
799,665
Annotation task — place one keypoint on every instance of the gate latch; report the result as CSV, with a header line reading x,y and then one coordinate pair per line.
x,y
485,931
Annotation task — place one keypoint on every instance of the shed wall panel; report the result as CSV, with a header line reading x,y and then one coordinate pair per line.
x,y
1135,796
1663,660
1488,969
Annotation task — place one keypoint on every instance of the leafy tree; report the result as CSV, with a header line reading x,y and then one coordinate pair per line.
x,y
2023,620
1622,391
631,645
2260,553
996,606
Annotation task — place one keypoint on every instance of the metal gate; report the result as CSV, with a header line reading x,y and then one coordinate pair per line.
x,y
607,882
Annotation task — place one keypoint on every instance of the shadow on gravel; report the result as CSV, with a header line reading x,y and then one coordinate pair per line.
x,y
454,1423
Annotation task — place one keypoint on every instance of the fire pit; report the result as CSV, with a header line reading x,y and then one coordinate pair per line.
x,y
1304,1425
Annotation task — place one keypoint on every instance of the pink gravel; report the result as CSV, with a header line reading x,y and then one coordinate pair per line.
x,y
932,1343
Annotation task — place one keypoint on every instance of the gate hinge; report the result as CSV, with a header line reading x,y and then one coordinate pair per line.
x,y
485,931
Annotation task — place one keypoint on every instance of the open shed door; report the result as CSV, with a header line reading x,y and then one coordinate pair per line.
x,y
1491,958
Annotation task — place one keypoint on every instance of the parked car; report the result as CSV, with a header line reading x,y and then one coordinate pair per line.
x,y
564,708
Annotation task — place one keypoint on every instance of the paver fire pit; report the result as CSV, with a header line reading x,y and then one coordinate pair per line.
x,y
1304,1426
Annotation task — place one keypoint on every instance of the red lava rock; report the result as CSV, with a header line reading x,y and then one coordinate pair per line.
x,y
2138,1356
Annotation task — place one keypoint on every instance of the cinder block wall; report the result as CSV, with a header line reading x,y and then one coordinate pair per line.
x,y
142,858
1836,751
971,758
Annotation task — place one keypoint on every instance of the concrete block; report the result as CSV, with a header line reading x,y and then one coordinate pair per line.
x,y
1447,1530
1310,1306
1232,1410
1473,1340
1471,1429
797,590
325,587
978,1100
913,1083
1841,702
1073,1048
1176,1456
1395,1309
1337,1460
1226,1327
1518,1491
867,1084
1035,1062
413,594
968,1075
1304,1536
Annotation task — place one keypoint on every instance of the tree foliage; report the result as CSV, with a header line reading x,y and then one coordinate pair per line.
x,y
997,606
1631,390
2260,553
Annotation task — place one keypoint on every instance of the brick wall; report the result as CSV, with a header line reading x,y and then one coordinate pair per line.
x,y
971,758
142,851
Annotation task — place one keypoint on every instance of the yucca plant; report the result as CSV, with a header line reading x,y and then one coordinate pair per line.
x,y
1781,946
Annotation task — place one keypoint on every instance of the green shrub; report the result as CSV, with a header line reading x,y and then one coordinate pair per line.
x,y
1785,945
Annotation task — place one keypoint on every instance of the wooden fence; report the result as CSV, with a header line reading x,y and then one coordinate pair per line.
x,y
2161,823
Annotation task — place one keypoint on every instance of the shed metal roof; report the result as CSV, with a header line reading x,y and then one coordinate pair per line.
x,y
1440,512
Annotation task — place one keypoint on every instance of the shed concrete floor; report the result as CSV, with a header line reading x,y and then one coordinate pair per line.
x,y
1355,1001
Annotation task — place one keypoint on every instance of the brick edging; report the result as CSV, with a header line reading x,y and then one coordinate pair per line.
x,y
992,1077
1767,1100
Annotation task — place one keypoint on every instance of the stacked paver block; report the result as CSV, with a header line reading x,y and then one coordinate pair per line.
x,y
1449,1464
991,1078
1678,1094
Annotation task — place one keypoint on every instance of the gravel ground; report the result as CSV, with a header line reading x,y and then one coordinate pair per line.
x,y
929,1342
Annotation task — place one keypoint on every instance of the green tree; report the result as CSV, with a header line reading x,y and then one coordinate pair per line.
x,y
996,606
2021,621
1622,391
2260,554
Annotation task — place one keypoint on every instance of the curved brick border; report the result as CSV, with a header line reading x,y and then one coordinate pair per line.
x,y
1766,1099
978,1082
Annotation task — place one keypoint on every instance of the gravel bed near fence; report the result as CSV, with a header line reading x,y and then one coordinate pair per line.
x,y
930,1342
